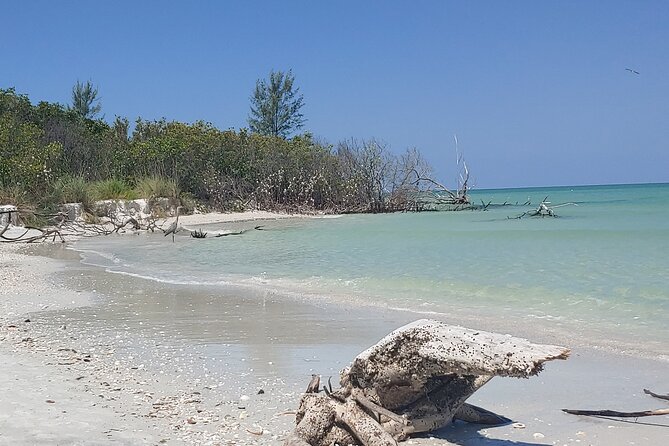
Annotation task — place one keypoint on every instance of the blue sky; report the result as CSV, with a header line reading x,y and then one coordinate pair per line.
x,y
537,92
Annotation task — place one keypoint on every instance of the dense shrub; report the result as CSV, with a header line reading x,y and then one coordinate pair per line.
x,y
154,187
56,155
73,190
113,189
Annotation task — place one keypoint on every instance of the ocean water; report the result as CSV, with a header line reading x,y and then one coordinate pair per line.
x,y
598,273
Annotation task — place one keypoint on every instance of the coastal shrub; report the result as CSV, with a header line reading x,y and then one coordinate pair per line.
x,y
189,204
50,152
24,202
113,190
73,190
16,196
24,160
157,186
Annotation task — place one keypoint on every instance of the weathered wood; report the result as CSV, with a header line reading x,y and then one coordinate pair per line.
x,y
361,399
366,429
656,395
426,348
615,413
314,384
416,379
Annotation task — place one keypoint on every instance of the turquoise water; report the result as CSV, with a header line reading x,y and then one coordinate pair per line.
x,y
600,271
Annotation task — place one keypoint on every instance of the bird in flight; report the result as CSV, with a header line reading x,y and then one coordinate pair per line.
x,y
632,71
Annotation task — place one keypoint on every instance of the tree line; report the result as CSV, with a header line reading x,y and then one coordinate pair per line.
x,y
51,154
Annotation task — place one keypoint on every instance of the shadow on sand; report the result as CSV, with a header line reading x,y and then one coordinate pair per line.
x,y
469,434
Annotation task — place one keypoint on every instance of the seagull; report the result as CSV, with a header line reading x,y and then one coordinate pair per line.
x,y
632,71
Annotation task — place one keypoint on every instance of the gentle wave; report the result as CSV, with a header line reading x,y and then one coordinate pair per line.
x,y
600,271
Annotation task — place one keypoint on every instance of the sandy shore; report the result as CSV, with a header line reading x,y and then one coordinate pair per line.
x,y
97,358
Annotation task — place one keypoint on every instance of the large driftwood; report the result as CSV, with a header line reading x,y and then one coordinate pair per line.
x,y
416,379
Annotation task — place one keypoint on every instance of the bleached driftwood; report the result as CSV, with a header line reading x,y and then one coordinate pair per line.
x,y
544,210
416,379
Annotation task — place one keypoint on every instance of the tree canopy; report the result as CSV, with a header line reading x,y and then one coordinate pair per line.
x,y
49,155
276,106
85,100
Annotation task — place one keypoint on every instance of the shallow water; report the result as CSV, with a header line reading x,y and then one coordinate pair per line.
x,y
599,273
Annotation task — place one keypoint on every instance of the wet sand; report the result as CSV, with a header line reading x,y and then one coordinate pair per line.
x,y
130,361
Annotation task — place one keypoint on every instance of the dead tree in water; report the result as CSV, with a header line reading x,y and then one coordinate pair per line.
x,y
544,210
414,380
420,191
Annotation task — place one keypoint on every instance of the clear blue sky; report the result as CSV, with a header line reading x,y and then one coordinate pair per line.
x,y
536,91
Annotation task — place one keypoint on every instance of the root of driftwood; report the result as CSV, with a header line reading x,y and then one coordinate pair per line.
x,y
416,379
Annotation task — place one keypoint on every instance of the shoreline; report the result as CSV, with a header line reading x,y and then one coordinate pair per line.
x,y
127,372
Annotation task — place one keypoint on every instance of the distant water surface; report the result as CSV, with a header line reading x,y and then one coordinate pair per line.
x,y
599,272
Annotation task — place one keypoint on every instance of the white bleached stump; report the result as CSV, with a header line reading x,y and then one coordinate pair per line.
x,y
416,379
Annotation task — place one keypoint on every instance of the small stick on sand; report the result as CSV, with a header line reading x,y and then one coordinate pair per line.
x,y
614,413
656,395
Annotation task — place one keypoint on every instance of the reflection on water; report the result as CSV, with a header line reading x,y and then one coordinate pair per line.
x,y
209,330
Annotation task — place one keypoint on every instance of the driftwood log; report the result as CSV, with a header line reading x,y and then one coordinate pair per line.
x,y
416,379
616,413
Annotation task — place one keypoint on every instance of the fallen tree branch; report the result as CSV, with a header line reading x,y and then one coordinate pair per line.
x,y
662,397
614,413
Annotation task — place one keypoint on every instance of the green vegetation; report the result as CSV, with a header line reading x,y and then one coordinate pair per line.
x,y
113,189
85,101
51,154
73,190
155,187
276,105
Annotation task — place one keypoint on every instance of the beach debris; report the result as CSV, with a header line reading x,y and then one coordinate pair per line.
x,y
518,426
544,210
615,413
415,380
240,232
62,225
191,420
198,233
656,395
50,401
255,430
260,392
